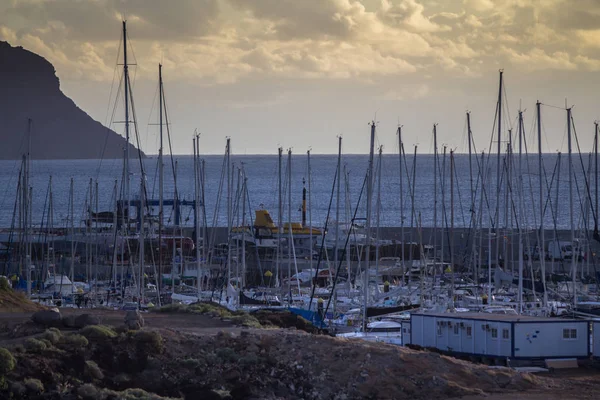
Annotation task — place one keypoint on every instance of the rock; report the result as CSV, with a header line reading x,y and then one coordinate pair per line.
x,y
69,321
134,320
47,317
84,320
133,325
134,315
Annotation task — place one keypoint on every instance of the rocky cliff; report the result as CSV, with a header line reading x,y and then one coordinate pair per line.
x,y
30,89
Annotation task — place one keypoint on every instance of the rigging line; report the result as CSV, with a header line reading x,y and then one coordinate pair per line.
x,y
341,260
324,234
112,118
587,185
550,105
166,118
112,84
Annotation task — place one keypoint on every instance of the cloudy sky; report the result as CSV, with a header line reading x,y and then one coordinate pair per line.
x,y
298,73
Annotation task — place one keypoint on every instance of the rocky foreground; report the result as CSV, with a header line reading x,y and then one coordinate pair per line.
x,y
99,362
207,352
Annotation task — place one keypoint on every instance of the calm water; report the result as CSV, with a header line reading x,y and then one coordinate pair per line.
x,y
262,177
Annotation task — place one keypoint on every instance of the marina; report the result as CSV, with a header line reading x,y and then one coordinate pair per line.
x,y
441,250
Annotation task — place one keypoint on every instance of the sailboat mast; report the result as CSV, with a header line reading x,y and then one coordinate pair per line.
x,y
142,242
244,197
498,164
452,227
197,213
229,221
310,212
435,202
161,179
368,225
596,175
27,208
279,214
521,214
72,226
337,205
573,255
542,237
402,248
126,89
290,238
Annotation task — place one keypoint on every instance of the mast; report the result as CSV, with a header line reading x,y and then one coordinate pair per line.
x,y
27,209
337,205
244,197
499,155
126,88
473,222
521,214
368,225
378,209
72,226
279,214
435,172
542,238
452,227
161,179
142,242
229,221
290,237
401,195
573,258
596,177
195,141
310,212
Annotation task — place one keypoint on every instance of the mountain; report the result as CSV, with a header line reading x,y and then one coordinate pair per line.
x,y
30,89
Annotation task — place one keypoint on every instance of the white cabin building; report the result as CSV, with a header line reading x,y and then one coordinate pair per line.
x,y
501,336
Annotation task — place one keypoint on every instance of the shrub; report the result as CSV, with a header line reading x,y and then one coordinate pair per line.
x,y
34,385
7,361
93,371
249,359
4,284
227,354
246,320
98,332
74,340
52,335
149,342
34,345
88,392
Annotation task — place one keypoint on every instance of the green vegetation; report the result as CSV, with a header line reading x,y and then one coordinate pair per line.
x,y
52,335
7,361
73,340
98,332
149,342
35,345
237,317
33,386
93,371
4,284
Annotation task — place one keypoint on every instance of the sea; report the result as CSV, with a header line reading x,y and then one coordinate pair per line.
x,y
416,203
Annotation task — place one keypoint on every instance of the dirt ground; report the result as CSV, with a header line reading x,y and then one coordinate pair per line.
x,y
299,361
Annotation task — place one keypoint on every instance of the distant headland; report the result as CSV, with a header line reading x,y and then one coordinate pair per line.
x,y
30,89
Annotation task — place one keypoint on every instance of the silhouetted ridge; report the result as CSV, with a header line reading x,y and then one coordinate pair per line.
x,y
29,88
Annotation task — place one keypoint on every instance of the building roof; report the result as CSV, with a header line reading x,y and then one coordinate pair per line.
x,y
496,317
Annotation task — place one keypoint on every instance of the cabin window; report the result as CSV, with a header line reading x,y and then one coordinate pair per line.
x,y
569,333
505,334
439,330
469,331
456,329
494,333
